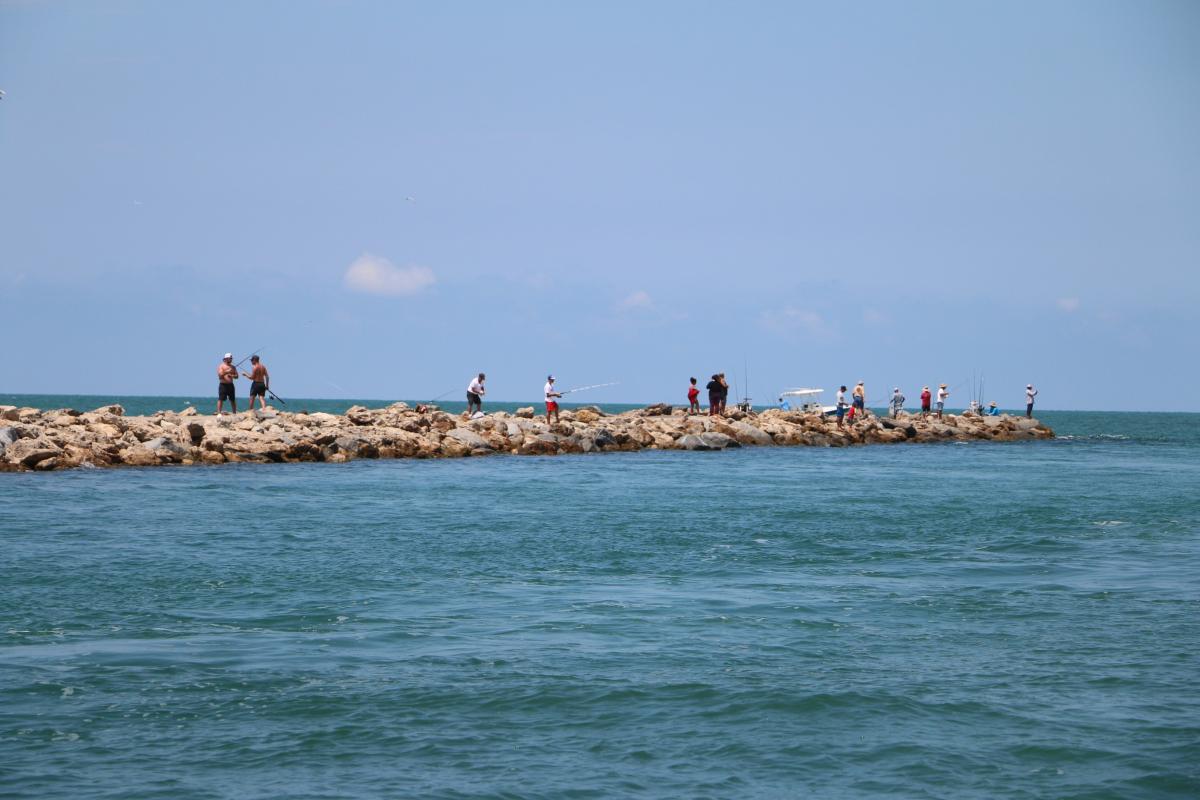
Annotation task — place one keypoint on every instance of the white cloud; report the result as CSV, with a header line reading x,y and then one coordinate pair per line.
x,y
873,316
375,275
1068,304
796,320
638,299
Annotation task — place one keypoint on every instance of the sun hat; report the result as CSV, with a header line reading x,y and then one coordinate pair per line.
x,y
941,386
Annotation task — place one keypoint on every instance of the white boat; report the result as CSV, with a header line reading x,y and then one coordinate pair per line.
x,y
807,401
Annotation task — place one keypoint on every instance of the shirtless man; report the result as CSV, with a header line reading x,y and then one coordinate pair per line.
x,y
260,382
226,374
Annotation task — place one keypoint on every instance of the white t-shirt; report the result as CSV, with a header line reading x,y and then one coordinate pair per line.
x,y
549,390
841,398
1029,393
476,387
942,395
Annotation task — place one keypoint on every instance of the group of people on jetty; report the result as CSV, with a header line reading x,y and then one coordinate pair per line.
x,y
718,394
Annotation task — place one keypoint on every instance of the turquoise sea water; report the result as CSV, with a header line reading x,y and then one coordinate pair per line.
x,y
955,621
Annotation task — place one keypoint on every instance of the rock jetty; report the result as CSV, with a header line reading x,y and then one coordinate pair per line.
x,y
31,439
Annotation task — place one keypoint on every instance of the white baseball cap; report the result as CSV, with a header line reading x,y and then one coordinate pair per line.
x,y
227,355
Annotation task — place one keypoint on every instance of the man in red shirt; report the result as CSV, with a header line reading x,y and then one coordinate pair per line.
x,y
926,398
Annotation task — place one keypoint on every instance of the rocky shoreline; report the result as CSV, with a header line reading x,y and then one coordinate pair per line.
x,y
31,439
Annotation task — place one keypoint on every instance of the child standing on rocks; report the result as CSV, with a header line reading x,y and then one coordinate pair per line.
x,y
693,398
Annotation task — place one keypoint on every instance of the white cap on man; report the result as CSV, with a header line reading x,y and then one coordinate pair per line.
x,y
227,356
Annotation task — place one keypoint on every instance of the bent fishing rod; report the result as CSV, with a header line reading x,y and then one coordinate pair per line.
x,y
592,386
247,358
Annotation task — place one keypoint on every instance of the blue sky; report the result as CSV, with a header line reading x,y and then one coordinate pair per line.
x,y
392,196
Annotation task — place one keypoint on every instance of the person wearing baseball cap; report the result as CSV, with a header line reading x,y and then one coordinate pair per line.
x,y
226,374
552,396
1030,393
941,399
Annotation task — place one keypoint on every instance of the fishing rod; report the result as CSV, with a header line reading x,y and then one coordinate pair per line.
x,y
593,386
440,396
276,397
252,355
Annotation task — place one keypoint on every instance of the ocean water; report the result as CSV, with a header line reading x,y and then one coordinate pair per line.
x,y
975,620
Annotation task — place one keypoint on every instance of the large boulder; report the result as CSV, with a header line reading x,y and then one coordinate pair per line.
x,y
525,413
115,410
745,433
29,452
469,438
691,441
718,441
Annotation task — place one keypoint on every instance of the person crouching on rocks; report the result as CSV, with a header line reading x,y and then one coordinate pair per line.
x,y
552,396
260,382
226,374
714,395
693,398
475,393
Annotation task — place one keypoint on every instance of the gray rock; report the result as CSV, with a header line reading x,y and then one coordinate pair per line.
x,y
163,445
9,435
718,441
745,433
470,438
691,441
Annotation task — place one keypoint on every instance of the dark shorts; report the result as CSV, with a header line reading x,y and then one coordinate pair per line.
x,y
258,389
224,391
858,403
474,399
841,411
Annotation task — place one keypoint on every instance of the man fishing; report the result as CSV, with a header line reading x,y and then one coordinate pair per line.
x,y
475,393
260,382
1030,393
226,374
552,396
897,402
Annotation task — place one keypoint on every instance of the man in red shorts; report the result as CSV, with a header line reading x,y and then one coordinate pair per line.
x,y
551,399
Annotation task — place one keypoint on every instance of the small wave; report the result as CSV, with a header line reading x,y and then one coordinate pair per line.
x,y
1108,522
1094,437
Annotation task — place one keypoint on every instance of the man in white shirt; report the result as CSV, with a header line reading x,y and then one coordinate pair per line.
x,y
942,394
841,405
552,396
475,393
1030,393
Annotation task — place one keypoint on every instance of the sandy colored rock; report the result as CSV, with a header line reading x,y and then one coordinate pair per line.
x,y
63,438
